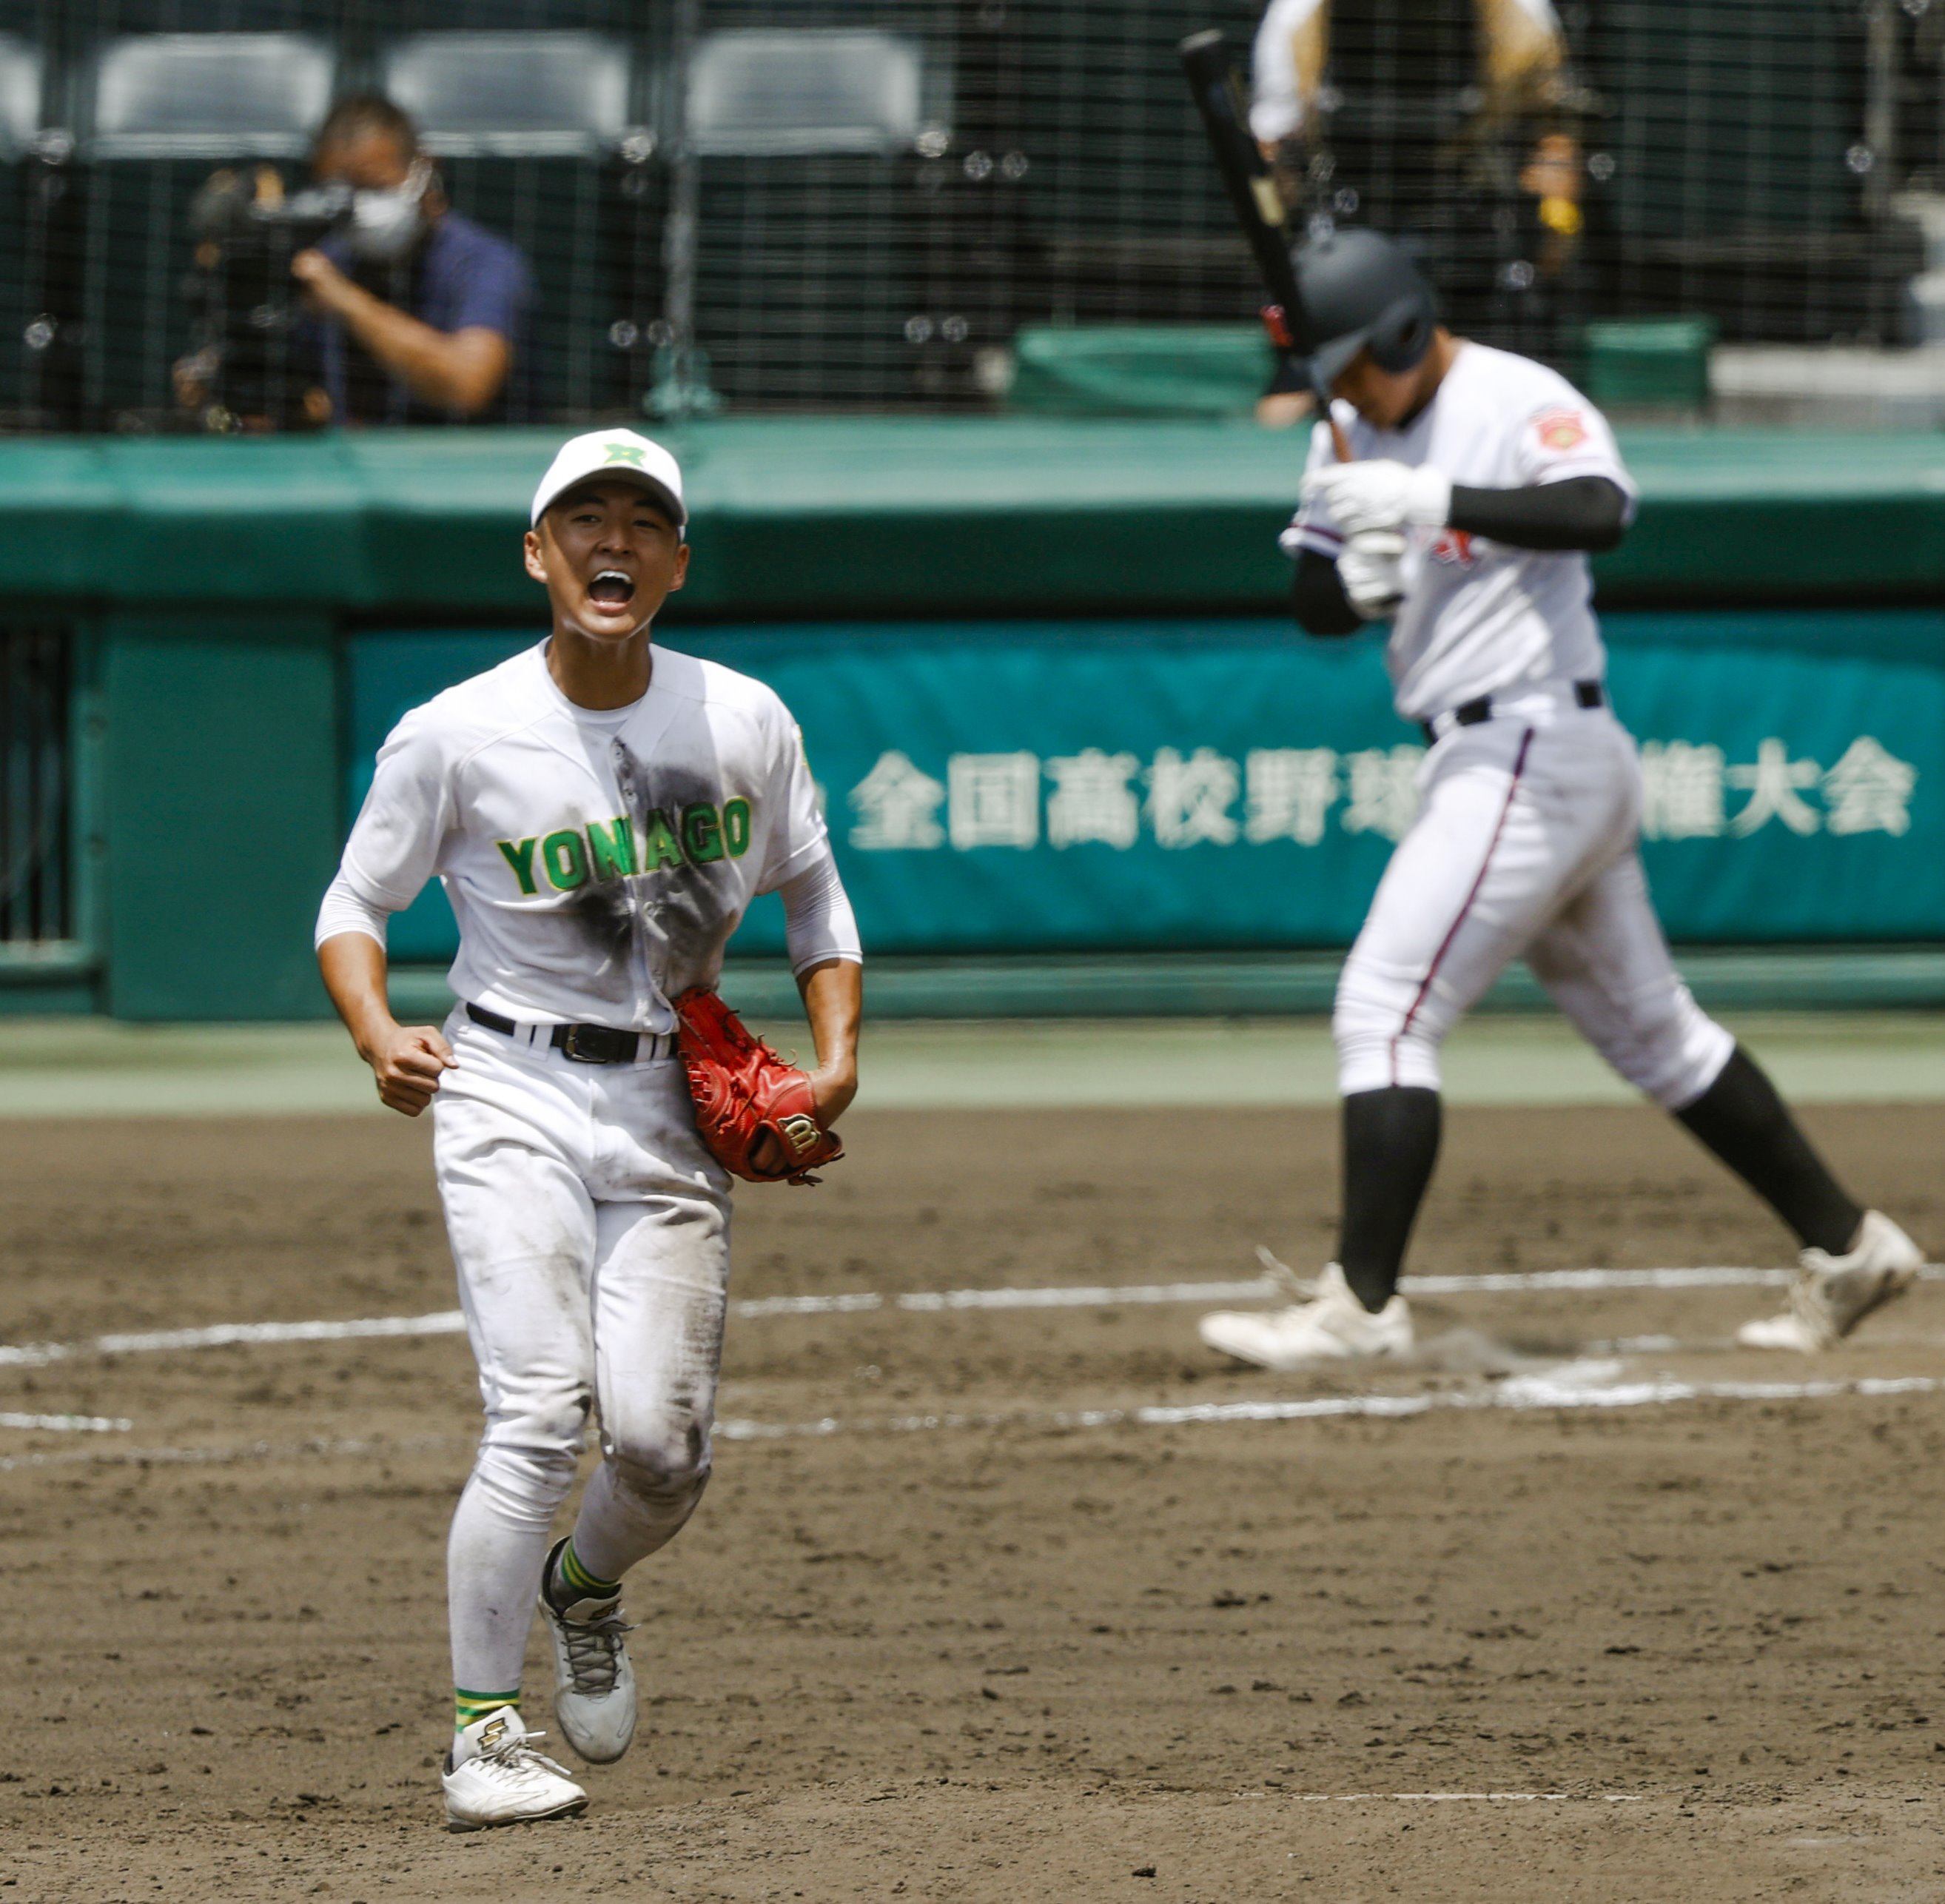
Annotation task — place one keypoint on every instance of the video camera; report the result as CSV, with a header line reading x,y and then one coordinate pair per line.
x,y
249,362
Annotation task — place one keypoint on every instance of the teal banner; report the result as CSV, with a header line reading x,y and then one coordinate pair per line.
x,y
1076,786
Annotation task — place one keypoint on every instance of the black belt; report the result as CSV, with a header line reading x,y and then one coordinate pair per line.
x,y
584,1043
1586,694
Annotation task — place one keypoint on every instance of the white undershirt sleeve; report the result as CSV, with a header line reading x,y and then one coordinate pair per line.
x,y
343,910
818,923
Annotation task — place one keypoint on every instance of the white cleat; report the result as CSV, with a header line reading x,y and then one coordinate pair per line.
x,y
1333,1326
1833,1295
493,1776
594,1685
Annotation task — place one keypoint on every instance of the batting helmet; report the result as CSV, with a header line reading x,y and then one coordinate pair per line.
x,y
1361,292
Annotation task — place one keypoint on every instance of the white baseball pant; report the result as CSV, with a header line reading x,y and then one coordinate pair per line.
x,y
1525,844
590,1230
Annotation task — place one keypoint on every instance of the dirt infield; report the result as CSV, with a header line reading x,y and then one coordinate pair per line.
x,y
979,1607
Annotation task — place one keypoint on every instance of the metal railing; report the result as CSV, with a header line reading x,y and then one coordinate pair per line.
x,y
41,915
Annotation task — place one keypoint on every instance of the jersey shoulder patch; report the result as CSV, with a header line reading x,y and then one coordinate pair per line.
x,y
1560,427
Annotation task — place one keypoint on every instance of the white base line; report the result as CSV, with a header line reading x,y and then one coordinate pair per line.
x,y
452,1321
38,1355
1572,1385
1460,1797
249,1451
96,1424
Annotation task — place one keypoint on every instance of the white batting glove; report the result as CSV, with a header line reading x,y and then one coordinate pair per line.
x,y
1380,495
1371,570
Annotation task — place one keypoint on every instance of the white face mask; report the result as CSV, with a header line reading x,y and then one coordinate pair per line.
x,y
385,225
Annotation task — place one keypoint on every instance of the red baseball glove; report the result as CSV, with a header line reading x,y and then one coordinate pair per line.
x,y
742,1089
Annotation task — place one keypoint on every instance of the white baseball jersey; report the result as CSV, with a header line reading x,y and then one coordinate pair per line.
x,y
597,862
1478,617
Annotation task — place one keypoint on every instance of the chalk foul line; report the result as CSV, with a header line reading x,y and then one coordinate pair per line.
x,y
39,1355
1458,1798
452,1321
340,1447
1584,1384
95,1424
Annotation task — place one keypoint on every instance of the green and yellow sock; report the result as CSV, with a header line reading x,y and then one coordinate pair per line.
x,y
468,1708
572,1581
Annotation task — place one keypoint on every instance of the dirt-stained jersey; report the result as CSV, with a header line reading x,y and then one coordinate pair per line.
x,y
1478,617
597,862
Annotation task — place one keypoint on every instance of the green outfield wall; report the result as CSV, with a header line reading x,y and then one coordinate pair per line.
x,y
1042,670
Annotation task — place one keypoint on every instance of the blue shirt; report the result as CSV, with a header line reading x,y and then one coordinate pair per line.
x,y
460,276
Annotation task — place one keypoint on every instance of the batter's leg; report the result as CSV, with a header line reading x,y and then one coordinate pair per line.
x,y
1391,1144
1741,1118
1606,962
1482,865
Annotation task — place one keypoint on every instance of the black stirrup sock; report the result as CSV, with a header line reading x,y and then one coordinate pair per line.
x,y
1391,1143
1741,1118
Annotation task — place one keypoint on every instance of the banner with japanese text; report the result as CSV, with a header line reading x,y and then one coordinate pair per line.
x,y
1084,786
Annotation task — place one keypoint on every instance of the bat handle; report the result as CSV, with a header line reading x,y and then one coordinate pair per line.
x,y
1339,443
1276,321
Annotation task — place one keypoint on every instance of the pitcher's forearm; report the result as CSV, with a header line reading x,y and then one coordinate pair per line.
x,y
354,968
834,1001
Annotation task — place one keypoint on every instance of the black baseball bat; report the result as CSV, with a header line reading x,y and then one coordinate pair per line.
x,y
1254,197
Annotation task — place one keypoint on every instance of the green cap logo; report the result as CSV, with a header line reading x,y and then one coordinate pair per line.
x,y
624,452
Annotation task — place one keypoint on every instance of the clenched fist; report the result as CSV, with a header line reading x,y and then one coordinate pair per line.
x,y
407,1061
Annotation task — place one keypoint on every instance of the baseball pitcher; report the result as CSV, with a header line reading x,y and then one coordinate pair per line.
x,y
1478,483
601,811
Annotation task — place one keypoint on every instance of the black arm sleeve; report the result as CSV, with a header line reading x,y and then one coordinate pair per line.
x,y
1584,512
1317,599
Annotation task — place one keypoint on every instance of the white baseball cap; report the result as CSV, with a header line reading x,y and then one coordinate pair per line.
x,y
613,453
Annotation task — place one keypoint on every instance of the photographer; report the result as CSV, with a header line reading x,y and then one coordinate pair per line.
x,y
422,313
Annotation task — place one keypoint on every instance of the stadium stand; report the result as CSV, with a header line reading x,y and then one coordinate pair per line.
x,y
528,127
861,204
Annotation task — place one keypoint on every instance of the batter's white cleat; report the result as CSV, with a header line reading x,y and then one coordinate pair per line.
x,y
493,1776
594,1685
1833,1295
1333,1326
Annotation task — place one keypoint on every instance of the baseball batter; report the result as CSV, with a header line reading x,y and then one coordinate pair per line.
x,y
1478,483
601,811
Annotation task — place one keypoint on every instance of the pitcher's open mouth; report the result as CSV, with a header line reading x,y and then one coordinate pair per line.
x,y
612,588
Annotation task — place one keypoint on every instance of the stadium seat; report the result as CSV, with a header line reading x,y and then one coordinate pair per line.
x,y
538,95
205,96
21,297
813,89
155,112
526,126
20,94
808,134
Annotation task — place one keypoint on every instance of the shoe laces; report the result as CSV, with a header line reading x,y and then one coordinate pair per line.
x,y
513,1760
1811,1302
1298,1288
593,1648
